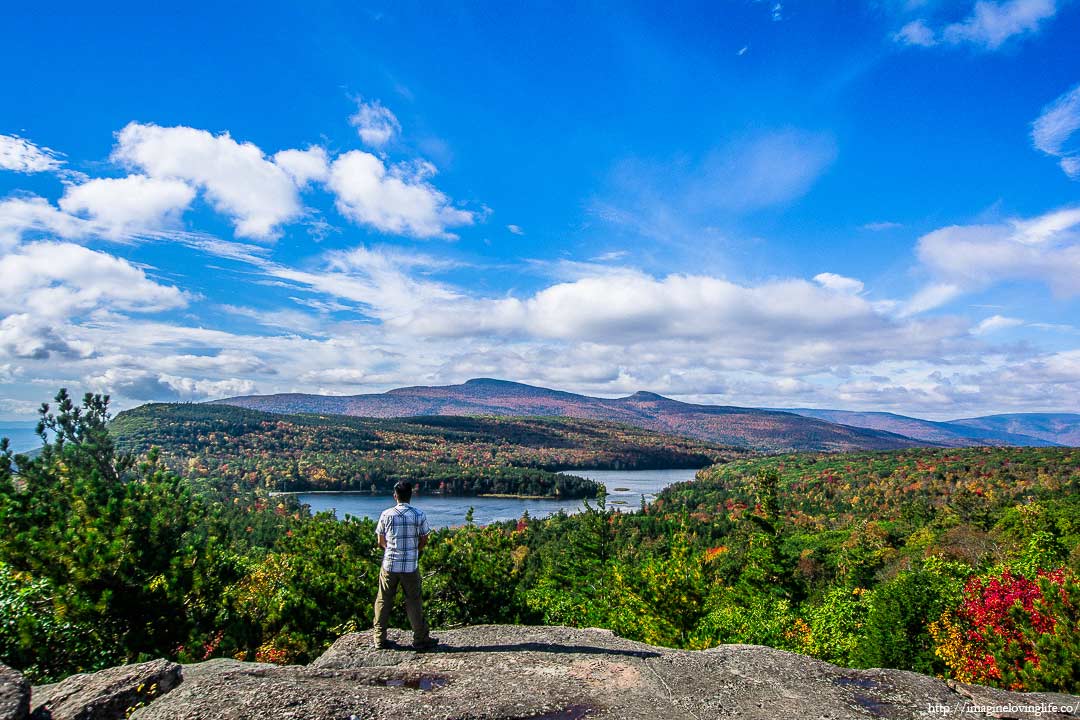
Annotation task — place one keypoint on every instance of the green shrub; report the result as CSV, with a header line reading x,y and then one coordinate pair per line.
x,y
837,624
897,630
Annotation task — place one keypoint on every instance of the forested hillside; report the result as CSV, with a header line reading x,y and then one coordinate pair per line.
x,y
961,485
961,563
452,455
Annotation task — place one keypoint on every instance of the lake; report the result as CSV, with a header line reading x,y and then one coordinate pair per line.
x,y
22,435
625,488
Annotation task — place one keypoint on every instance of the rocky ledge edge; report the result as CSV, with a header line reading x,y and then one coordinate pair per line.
x,y
501,672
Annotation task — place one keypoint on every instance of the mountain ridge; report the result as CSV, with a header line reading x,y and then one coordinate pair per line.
x,y
772,429
731,425
949,433
1063,427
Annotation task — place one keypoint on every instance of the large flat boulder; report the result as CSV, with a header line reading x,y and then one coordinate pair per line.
x,y
14,695
556,673
196,671
111,694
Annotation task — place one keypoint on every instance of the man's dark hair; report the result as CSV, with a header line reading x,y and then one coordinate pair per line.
x,y
403,491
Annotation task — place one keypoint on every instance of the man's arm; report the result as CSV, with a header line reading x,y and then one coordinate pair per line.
x,y
380,531
425,530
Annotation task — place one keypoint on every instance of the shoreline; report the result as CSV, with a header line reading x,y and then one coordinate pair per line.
x,y
496,496
511,496
499,496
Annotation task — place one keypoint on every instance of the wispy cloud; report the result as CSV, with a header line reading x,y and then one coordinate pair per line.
x,y
995,323
678,200
610,256
1055,131
771,169
992,23
930,297
989,26
20,155
881,226
916,32
375,124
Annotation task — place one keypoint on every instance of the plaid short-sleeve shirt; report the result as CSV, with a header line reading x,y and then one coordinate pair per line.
x,y
403,525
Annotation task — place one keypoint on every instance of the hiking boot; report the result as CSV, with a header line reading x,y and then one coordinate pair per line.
x,y
429,644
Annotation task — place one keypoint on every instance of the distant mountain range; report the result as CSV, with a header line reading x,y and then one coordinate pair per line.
x,y
1029,429
1058,428
744,427
762,429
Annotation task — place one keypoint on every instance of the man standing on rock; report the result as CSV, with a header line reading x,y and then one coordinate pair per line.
x,y
403,532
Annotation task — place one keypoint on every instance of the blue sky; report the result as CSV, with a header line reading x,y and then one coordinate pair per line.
x,y
862,205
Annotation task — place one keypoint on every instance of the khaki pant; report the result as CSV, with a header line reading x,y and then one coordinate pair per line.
x,y
388,585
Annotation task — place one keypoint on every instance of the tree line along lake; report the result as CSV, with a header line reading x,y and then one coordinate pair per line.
x,y
625,489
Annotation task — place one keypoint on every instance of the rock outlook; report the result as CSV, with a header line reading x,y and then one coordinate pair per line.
x,y
518,672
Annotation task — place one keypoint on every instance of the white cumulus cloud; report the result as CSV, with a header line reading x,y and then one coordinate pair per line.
x,y
304,166
129,204
146,385
49,285
238,179
1043,249
57,279
396,199
25,336
259,193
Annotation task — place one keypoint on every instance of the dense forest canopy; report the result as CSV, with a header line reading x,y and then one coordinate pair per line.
x,y
451,455
961,563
